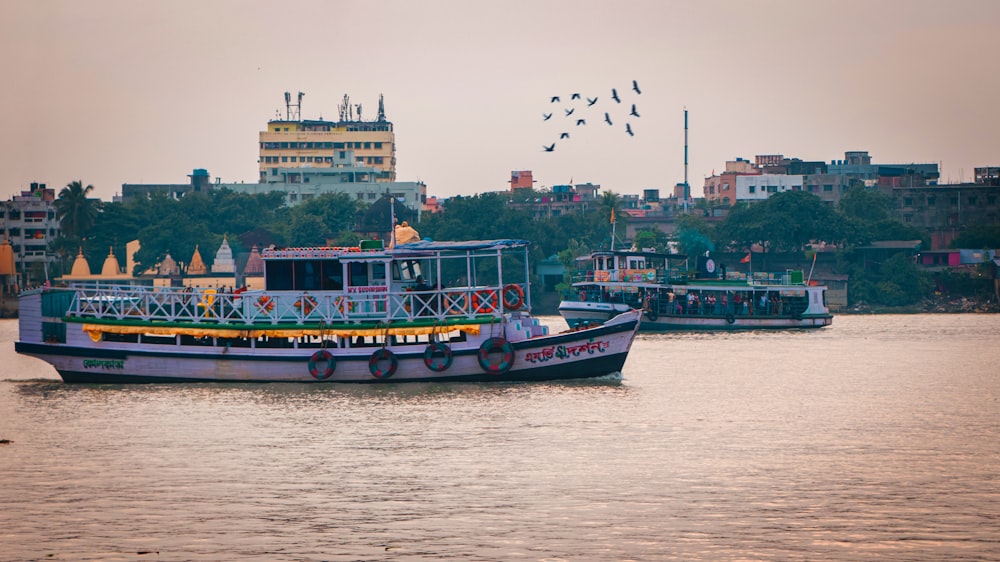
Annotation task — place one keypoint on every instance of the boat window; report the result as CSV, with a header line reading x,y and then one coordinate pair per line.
x,y
378,273
359,274
279,275
306,275
160,340
125,338
406,270
333,275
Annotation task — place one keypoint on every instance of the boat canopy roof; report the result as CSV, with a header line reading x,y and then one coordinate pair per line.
x,y
422,247
463,246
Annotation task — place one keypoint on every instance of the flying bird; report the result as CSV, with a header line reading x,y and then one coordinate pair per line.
x,y
608,119
575,97
614,95
564,136
549,148
546,116
634,112
581,122
555,99
591,102
635,86
569,111
628,128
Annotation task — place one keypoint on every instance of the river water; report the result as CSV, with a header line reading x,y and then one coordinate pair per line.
x,y
878,437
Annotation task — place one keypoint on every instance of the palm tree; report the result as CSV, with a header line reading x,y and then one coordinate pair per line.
x,y
77,213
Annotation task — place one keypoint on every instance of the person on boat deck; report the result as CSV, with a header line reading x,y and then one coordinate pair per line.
x,y
421,286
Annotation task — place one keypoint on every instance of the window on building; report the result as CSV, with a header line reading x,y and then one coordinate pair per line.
x,y
372,195
813,188
772,189
796,188
828,187
908,201
379,160
284,159
753,189
368,145
378,146
339,145
907,219
359,195
293,158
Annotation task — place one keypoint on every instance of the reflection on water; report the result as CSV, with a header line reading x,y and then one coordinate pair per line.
x,y
876,437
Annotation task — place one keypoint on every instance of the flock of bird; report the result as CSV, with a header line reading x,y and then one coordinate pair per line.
x,y
576,101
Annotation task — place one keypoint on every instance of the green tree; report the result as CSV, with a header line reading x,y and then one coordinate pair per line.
x,y
75,210
694,235
978,236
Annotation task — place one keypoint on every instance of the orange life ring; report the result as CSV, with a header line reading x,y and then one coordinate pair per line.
x,y
457,303
513,296
484,302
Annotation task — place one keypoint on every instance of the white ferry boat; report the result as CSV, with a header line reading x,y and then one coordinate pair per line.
x,y
609,283
359,314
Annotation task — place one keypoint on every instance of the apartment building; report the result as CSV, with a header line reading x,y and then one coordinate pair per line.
x,y
29,223
292,142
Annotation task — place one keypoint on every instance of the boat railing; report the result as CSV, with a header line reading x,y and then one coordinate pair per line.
x,y
282,307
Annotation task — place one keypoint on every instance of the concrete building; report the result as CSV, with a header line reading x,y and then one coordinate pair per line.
x,y
758,187
295,143
199,181
345,175
720,189
944,211
29,223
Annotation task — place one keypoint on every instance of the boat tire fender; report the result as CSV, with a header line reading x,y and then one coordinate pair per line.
x,y
492,345
437,364
317,361
730,318
383,355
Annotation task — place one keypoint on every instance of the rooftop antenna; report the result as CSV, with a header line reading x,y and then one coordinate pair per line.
x,y
381,108
687,187
345,109
293,111
359,112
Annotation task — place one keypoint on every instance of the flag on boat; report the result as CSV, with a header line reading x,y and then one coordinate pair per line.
x,y
746,258
612,216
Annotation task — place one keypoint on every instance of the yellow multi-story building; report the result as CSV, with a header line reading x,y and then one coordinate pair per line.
x,y
296,143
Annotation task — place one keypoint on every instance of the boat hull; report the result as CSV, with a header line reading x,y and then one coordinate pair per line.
x,y
584,313
731,323
589,353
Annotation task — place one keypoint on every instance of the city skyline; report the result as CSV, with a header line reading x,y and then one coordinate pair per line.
x,y
115,92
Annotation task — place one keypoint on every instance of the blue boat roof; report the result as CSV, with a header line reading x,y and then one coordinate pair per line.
x,y
461,246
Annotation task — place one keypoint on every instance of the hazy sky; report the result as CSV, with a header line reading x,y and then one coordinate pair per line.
x,y
144,92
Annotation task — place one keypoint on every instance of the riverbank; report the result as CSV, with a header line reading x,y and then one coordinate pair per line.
x,y
938,304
